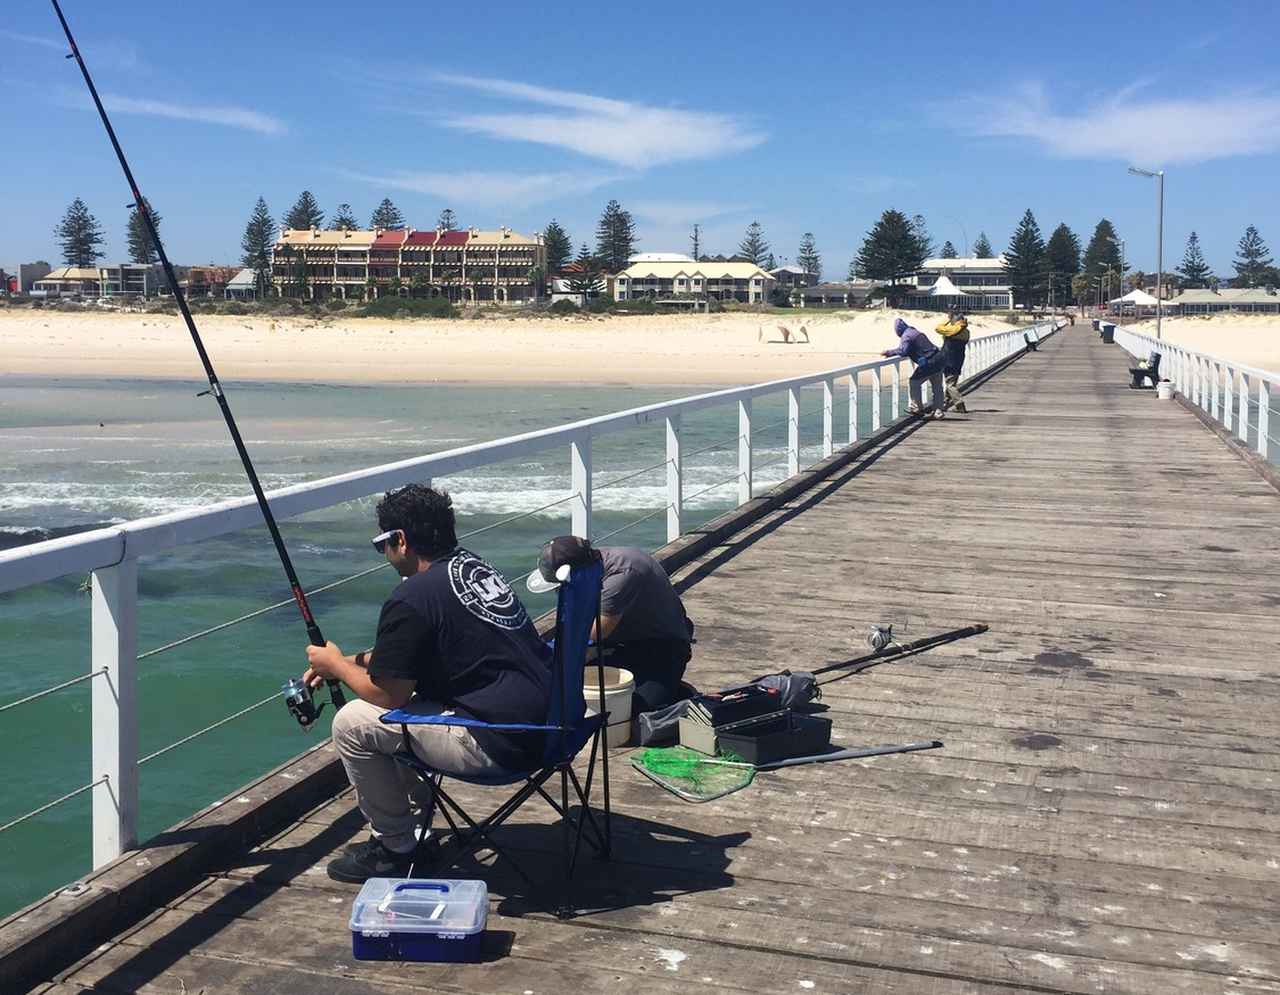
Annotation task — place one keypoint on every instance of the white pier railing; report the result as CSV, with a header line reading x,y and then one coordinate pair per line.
x,y
111,555
1236,396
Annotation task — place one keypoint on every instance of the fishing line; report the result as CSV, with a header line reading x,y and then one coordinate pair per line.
x,y
300,704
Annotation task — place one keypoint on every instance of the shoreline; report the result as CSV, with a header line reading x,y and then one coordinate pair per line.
x,y
719,350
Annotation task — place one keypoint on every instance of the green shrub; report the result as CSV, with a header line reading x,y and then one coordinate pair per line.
x,y
235,307
335,304
563,307
407,307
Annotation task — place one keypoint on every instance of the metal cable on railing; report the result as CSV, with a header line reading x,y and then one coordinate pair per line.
x,y
257,612
631,524
714,445
200,732
720,483
57,801
629,476
57,687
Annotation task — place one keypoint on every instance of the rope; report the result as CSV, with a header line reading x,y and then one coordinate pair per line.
x,y
201,732
57,801
56,687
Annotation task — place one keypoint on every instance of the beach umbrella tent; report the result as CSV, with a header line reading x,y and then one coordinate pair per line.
x,y
1136,298
945,288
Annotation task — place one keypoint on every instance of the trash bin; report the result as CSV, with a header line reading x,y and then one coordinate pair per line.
x,y
1095,324
1108,329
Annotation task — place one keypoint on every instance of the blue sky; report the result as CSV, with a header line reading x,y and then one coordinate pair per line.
x,y
812,120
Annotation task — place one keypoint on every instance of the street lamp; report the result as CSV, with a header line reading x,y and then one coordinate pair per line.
x,y
1158,176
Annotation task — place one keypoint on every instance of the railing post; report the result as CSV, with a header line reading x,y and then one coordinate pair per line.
x,y
675,478
580,472
1228,398
744,450
876,398
1215,374
1242,417
896,379
853,407
793,431
1264,416
114,648
828,417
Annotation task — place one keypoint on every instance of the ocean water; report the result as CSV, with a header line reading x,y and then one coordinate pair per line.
x,y
77,454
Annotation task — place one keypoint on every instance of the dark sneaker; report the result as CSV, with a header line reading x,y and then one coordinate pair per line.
x,y
369,860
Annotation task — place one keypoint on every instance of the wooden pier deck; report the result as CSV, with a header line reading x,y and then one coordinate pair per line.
x,y
1103,817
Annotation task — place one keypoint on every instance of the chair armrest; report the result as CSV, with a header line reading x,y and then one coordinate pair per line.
x,y
399,716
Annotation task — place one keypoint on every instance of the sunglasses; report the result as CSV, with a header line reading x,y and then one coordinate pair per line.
x,y
380,542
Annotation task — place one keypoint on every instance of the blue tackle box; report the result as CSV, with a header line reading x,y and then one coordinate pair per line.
x,y
419,920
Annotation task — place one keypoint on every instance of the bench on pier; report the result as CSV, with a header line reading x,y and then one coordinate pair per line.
x,y
1148,369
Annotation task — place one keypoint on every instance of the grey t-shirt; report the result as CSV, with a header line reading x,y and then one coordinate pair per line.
x,y
637,592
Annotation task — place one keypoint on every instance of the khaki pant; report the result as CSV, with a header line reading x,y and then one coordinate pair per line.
x,y
383,787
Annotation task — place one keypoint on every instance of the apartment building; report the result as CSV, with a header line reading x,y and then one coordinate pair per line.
x,y
746,283
468,266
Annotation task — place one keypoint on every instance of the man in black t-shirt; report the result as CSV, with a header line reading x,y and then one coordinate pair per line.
x,y
452,636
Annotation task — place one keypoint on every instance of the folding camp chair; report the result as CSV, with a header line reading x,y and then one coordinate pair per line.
x,y
568,730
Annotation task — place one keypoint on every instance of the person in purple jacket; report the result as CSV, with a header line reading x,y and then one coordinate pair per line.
x,y
927,357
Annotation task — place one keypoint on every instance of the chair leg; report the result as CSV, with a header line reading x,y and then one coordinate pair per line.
x,y
565,910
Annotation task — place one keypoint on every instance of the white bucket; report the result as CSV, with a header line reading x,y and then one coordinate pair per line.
x,y
618,685
1164,390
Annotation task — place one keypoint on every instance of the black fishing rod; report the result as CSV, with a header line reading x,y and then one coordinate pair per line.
x,y
895,651
297,696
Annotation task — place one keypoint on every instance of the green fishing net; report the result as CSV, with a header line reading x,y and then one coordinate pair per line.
x,y
693,776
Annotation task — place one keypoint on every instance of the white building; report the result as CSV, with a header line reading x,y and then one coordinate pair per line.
x,y
1257,299
659,280
966,283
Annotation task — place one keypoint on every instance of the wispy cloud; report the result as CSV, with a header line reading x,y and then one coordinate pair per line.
x,y
1126,127
228,116
681,212
622,132
489,189
107,53
41,40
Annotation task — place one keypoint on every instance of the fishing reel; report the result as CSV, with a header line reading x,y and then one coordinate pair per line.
x,y
300,702
879,637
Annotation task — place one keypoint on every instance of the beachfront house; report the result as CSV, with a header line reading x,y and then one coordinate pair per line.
x,y
69,281
29,273
792,277
241,287
745,283
844,293
1255,299
467,266
130,280
965,282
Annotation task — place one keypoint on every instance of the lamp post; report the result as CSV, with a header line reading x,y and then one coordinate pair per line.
x,y
1158,176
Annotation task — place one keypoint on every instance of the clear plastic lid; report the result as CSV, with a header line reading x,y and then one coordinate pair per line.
x,y
411,905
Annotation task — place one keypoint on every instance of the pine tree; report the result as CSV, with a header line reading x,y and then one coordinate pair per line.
x,y
1253,263
447,221
559,246
753,246
1194,271
344,220
891,251
1103,253
387,215
141,248
586,281
697,243
922,233
808,257
982,247
305,213
948,250
1063,252
257,243
770,263
615,237
1026,263
80,235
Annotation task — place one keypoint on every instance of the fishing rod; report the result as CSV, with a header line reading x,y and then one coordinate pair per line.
x,y
297,694
893,651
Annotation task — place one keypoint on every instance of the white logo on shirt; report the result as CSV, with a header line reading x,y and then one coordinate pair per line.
x,y
484,592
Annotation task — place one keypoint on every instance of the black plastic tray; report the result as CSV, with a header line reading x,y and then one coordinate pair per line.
x,y
775,737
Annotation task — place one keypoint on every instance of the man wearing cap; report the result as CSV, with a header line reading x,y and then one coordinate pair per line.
x,y
644,628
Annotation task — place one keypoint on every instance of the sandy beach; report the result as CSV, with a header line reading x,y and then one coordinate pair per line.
x,y
715,349
1251,339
